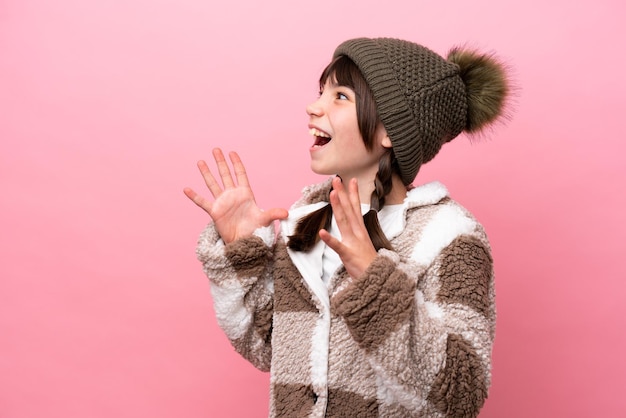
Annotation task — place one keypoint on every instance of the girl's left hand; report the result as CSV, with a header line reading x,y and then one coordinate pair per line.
x,y
355,247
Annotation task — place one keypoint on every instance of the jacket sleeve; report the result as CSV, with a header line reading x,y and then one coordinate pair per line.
x,y
427,323
242,290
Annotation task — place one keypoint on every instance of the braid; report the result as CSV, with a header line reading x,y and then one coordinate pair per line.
x,y
382,183
307,230
382,187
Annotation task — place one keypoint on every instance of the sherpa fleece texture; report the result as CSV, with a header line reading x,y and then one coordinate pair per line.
x,y
412,337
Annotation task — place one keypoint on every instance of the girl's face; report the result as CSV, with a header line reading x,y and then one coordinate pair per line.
x,y
338,146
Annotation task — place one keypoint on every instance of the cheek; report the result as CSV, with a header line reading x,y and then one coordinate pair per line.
x,y
356,142
346,120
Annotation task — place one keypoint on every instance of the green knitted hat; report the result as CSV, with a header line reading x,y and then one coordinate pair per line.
x,y
424,100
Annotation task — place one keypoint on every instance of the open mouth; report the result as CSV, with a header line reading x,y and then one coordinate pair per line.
x,y
321,137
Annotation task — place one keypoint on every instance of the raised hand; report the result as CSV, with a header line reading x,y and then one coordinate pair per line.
x,y
355,247
233,210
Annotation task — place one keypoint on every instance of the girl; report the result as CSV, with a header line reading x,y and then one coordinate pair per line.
x,y
377,297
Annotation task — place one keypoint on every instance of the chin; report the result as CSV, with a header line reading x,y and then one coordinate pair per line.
x,y
318,170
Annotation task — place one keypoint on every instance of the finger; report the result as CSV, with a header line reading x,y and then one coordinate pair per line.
x,y
271,215
353,192
350,200
197,199
240,170
355,201
222,167
339,191
331,241
338,210
342,218
209,180
276,213
348,211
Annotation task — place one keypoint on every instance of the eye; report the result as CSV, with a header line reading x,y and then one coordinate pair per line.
x,y
342,96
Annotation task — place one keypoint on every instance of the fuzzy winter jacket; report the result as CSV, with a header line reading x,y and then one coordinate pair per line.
x,y
412,337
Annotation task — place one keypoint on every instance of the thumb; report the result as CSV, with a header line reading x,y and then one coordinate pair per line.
x,y
276,213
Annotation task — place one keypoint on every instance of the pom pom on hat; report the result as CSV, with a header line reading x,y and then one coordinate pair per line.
x,y
486,84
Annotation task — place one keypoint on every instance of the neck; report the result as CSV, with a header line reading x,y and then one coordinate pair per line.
x,y
366,187
395,196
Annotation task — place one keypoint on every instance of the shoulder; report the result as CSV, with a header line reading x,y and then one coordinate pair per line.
x,y
434,221
437,210
426,194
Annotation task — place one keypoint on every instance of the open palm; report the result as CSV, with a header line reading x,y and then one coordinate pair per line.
x,y
234,210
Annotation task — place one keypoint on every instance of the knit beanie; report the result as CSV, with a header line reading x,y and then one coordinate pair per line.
x,y
424,100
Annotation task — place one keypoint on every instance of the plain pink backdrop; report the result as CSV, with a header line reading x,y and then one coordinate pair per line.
x,y
106,106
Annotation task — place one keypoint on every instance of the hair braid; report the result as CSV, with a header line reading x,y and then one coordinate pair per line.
x,y
382,187
382,183
307,230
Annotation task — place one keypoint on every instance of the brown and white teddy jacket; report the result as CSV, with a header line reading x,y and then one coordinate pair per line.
x,y
412,337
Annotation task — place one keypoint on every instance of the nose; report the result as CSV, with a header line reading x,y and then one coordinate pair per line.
x,y
315,108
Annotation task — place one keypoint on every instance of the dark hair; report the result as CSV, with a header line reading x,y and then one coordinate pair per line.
x,y
346,73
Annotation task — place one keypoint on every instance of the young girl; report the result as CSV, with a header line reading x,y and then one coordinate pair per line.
x,y
377,297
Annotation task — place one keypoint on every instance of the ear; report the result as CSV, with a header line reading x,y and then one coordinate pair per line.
x,y
386,142
383,138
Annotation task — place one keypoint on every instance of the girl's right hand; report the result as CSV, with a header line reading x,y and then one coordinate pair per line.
x,y
234,210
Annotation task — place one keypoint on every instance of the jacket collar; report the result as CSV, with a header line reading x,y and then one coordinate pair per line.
x,y
423,195
315,197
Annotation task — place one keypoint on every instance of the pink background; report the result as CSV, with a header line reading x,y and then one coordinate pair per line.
x,y
105,106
